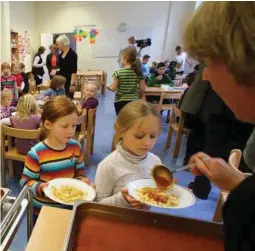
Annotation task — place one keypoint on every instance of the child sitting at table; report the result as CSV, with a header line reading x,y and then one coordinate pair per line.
x,y
26,117
15,69
159,78
153,68
137,127
57,155
6,109
57,88
8,81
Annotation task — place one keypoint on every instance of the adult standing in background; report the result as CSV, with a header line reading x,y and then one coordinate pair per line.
x,y
145,68
38,64
131,42
67,64
180,59
52,60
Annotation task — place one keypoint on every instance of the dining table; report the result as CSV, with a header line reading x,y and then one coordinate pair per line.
x,y
157,91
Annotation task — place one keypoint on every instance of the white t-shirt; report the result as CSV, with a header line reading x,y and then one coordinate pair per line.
x,y
181,60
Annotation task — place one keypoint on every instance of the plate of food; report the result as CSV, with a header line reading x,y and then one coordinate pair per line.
x,y
67,191
146,191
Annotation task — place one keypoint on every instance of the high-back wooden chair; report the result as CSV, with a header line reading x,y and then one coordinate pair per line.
x,y
9,152
234,161
79,94
178,127
87,133
169,96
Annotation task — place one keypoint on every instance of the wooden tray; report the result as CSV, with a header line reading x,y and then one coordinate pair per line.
x,y
96,227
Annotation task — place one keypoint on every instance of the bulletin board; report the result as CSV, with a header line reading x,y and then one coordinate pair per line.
x,y
110,40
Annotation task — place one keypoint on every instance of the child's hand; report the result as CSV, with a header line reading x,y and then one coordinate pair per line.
x,y
132,201
46,98
86,180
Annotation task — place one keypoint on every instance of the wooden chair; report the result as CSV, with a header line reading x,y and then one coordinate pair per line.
x,y
87,134
165,95
178,127
234,161
104,84
11,153
94,70
79,94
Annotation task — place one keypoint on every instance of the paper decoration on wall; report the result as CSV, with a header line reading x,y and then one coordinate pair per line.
x,y
80,35
24,46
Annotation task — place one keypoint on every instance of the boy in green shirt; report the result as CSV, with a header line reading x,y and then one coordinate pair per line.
x,y
159,78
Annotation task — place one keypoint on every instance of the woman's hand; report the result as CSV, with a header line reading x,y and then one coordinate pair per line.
x,y
53,73
132,201
217,171
72,88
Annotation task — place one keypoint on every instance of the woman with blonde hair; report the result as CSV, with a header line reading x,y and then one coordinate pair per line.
x,y
137,127
221,34
67,64
27,118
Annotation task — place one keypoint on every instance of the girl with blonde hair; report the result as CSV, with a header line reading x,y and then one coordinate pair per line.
x,y
128,81
27,118
137,127
6,109
58,155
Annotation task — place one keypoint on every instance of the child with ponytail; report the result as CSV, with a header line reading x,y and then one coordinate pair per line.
x,y
58,155
128,81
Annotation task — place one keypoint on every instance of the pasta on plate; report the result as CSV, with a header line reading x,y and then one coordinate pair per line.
x,y
154,196
69,193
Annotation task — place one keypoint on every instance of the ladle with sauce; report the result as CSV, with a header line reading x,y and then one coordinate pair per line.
x,y
163,176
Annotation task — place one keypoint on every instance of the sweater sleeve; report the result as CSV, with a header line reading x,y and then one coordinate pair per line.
x,y
35,63
168,81
104,187
31,173
153,82
80,168
73,63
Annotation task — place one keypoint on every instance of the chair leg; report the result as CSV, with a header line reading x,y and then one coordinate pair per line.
x,y
104,90
217,217
177,144
11,168
169,136
3,173
92,143
87,151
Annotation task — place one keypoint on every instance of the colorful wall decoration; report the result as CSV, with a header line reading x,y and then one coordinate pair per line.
x,y
24,46
80,35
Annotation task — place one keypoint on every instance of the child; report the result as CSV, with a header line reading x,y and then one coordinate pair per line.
x,y
137,128
58,155
15,69
153,69
6,108
9,81
159,78
56,87
27,118
25,77
127,79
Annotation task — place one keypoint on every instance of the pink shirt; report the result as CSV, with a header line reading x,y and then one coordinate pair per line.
x,y
31,123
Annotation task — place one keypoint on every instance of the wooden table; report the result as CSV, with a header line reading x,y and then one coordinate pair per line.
x,y
44,86
157,91
50,230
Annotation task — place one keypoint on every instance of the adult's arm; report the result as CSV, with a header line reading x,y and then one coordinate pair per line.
x,y
73,67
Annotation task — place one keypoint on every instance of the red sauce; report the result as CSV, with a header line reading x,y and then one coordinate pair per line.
x,y
162,182
100,234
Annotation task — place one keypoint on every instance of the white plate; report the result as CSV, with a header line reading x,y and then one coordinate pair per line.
x,y
186,198
13,113
57,183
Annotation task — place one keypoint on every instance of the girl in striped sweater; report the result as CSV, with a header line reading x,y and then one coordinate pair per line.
x,y
57,155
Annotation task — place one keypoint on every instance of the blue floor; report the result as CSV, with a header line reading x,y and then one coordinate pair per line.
x,y
202,209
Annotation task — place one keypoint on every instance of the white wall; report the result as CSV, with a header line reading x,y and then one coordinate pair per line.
x,y
23,18
63,16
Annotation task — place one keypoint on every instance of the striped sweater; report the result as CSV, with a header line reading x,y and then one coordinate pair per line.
x,y
44,164
129,82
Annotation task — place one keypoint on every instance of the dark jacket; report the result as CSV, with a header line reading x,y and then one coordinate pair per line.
x,y
38,70
48,62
